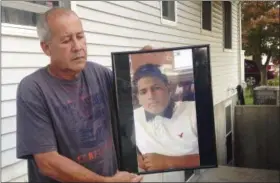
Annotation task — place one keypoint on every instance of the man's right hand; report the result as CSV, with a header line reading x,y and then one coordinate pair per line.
x,y
140,161
122,176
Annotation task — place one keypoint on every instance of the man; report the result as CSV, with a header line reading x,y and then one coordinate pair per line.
x,y
166,132
63,110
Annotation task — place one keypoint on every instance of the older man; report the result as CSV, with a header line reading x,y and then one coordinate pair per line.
x,y
63,110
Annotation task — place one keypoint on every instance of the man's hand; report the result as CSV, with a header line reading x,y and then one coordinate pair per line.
x,y
155,161
62,169
121,176
140,161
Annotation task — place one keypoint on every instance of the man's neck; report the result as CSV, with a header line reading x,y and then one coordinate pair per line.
x,y
167,113
62,74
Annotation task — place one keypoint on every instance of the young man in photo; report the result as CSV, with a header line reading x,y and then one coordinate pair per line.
x,y
165,130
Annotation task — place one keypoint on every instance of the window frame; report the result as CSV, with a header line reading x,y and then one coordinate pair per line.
x,y
211,16
229,103
227,48
29,7
26,30
166,21
25,6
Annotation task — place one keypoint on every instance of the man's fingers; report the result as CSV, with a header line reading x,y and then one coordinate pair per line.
x,y
146,160
133,174
117,172
147,155
141,162
148,165
137,178
140,157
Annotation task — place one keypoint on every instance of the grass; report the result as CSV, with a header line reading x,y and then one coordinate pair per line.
x,y
248,92
248,96
274,82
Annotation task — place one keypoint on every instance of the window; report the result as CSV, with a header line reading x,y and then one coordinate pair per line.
x,y
188,174
227,25
24,12
169,12
228,119
206,15
228,124
229,150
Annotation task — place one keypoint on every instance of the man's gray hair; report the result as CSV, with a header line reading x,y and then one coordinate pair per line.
x,y
43,29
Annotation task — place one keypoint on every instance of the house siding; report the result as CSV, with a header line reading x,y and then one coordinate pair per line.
x,y
112,26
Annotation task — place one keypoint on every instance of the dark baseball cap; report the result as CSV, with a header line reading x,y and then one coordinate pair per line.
x,y
149,70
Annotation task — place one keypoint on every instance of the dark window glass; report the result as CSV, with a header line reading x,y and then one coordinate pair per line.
x,y
188,174
206,15
227,25
46,3
168,10
228,119
21,17
229,148
18,17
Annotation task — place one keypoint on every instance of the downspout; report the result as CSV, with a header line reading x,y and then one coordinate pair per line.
x,y
239,42
0,89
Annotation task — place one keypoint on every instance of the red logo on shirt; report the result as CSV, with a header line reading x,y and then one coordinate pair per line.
x,y
181,135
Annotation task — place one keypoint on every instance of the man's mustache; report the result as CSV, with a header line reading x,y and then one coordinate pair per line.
x,y
80,55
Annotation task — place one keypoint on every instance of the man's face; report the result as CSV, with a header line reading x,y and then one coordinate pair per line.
x,y
67,46
153,94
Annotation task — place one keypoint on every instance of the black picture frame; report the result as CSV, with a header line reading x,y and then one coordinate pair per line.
x,y
123,126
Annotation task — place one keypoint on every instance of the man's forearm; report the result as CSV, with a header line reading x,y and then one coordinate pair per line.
x,y
183,161
63,169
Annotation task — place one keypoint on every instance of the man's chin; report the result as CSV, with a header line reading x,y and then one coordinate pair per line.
x,y
79,66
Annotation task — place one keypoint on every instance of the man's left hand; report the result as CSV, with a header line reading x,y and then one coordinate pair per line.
x,y
155,162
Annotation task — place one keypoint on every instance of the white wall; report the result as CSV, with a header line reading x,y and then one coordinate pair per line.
x,y
111,26
20,55
131,25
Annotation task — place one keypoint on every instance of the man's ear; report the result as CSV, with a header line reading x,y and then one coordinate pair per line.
x,y
45,47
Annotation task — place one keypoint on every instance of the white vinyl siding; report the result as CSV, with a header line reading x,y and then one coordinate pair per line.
x,y
111,26
131,25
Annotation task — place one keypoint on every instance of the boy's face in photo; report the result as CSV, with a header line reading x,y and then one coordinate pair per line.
x,y
153,94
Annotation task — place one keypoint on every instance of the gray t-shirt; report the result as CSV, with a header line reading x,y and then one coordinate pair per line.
x,y
70,117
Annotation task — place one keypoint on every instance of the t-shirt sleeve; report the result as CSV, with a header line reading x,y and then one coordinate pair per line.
x,y
35,133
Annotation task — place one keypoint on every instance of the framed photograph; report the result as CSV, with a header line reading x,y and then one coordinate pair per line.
x,y
164,106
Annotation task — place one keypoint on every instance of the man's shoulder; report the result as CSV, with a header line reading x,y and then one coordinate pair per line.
x,y
99,74
97,67
186,105
139,115
139,111
33,78
29,85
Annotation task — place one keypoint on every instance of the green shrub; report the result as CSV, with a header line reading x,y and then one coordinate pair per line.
x,y
274,82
